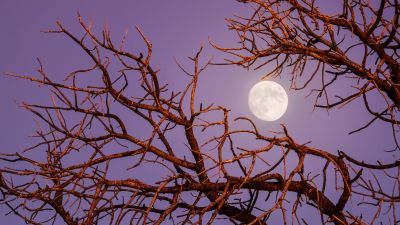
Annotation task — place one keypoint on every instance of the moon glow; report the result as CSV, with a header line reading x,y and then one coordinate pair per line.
x,y
268,100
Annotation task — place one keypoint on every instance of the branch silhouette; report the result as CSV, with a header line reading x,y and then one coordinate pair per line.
x,y
89,164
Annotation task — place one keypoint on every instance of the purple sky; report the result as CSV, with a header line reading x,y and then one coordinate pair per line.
x,y
176,28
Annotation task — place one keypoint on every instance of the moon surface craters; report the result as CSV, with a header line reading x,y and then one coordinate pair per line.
x,y
268,100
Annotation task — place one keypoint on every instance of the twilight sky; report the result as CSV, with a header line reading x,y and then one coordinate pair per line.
x,y
176,28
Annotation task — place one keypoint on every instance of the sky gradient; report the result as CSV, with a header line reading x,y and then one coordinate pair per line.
x,y
176,29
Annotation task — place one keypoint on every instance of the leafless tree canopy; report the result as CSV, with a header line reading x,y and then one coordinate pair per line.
x,y
359,43
109,153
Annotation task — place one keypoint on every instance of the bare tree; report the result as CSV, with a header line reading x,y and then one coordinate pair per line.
x,y
75,174
359,43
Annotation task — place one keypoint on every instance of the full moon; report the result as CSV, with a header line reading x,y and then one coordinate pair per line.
x,y
268,100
